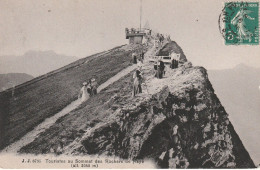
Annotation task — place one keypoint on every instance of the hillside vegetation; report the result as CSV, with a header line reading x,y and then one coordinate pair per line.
x,y
177,121
29,104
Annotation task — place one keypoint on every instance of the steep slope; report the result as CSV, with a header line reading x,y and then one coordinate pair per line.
x,y
34,63
13,79
182,125
177,121
238,90
47,123
25,106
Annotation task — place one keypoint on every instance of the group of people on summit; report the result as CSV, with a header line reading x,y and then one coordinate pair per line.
x,y
90,87
159,67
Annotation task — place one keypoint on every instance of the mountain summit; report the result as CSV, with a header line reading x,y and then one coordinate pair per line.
x,y
242,66
177,122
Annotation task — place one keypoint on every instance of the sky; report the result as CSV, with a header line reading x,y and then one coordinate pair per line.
x,y
84,27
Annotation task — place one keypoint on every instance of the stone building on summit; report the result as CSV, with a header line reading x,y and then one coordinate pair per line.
x,y
135,36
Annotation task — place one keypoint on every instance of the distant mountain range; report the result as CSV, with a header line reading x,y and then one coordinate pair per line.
x,y
238,90
34,63
12,79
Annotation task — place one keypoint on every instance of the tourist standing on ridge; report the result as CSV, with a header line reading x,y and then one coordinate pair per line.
x,y
82,93
89,88
94,86
174,64
134,58
139,64
142,56
160,69
137,88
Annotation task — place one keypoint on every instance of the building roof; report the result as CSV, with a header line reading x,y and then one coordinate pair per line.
x,y
166,50
172,47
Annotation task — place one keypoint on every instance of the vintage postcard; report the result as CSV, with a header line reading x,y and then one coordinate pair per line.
x,y
129,84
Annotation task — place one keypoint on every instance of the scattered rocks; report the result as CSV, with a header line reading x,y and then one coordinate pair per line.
x,y
179,122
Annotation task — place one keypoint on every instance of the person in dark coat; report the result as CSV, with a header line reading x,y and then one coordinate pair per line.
x,y
89,88
137,88
142,55
94,86
174,64
134,58
160,69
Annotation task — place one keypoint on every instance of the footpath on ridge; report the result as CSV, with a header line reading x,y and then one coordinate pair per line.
x,y
27,105
178,122
30,136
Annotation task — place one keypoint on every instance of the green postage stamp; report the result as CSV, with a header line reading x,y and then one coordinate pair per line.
x,y
239,23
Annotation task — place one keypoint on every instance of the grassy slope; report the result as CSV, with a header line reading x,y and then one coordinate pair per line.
x,y
97,109
46,95
94,110
73,125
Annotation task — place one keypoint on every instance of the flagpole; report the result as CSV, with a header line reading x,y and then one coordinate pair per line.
x,y
140,15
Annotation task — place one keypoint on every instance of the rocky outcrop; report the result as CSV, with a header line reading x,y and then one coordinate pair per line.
x,y
181,125
177,121
170,47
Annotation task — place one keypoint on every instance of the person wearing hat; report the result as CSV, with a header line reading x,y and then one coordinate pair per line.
x,y
89,88
142,55
137,88
134,58
139,64
160,69
94,86
83,93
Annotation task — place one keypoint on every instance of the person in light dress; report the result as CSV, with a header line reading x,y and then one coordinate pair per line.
x,y
83,92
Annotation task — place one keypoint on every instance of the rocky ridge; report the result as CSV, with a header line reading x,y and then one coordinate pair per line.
x,y
178,122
